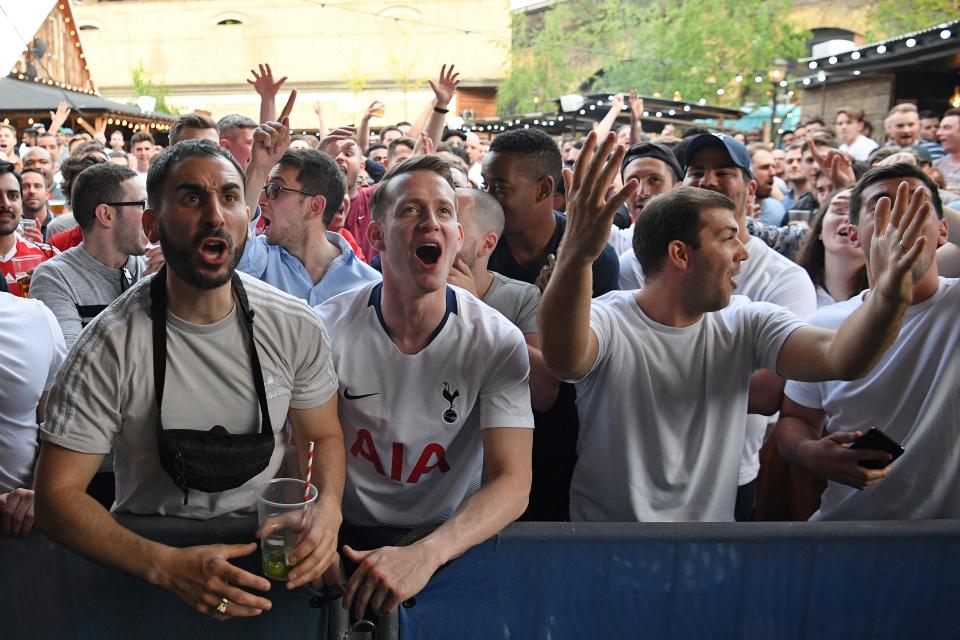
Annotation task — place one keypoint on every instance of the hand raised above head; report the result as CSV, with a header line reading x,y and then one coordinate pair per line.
x,y
589,212
445,86
264,82
898,242
331,143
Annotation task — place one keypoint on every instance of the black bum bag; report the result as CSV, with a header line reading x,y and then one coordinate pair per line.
x,y
215,460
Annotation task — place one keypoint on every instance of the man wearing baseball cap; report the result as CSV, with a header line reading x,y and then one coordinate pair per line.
x,y
657,170
718,162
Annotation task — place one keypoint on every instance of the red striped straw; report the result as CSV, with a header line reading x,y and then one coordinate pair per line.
x,y
306,490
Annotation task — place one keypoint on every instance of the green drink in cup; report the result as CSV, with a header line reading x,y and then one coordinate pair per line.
x,y
283,515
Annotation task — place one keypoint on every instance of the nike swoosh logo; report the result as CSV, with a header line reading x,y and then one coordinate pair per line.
x,y
347,396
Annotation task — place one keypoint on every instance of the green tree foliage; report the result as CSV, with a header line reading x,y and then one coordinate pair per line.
x,y
144,85
895,17
693,47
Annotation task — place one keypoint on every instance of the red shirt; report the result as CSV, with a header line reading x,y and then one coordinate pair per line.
x,y
358,219
67,239
353,243
24,248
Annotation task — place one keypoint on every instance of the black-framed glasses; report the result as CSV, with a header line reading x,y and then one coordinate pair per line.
x,y
133,203
272,191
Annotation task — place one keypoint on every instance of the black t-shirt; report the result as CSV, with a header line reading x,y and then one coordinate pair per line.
x,y
606,268
557,429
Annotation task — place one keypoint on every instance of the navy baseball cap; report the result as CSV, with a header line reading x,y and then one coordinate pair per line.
x,y
734,148
652,150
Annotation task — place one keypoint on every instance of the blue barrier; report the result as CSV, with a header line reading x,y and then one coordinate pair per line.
x,y
49,592
750,580
552,580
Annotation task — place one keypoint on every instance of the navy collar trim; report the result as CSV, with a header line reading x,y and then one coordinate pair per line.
x,y
377,292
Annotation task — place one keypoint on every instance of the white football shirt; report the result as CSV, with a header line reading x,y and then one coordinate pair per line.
x,y
412,423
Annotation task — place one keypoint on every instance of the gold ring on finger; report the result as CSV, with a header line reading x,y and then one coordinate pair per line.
x,y
222,607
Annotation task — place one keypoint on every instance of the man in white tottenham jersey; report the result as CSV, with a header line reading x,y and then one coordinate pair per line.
x,y
663,373
434,404
913,395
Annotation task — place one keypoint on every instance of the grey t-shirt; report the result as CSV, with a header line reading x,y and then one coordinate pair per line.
x,y
77,287
105,394
61,223
516,300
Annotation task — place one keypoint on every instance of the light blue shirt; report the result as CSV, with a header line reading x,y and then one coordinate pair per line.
x,y
275,266
771,211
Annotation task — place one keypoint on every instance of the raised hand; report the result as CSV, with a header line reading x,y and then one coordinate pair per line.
x,y
636,104
589,213
445,86
835,163
331,143
424,145
898,242
461,276
375,110
271,139
60,117
264,82
616,104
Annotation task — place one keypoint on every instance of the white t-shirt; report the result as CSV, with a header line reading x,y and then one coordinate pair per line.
x,y
621,239
663,410
861,148
412,423
912,395
105,395
631,275
32,352
767,276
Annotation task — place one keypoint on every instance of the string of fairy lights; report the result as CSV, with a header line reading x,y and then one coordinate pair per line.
x,y
821,70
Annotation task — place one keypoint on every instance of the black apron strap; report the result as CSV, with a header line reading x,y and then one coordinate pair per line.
x,y
158,313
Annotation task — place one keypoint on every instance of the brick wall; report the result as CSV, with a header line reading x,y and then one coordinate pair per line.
x,y
874,95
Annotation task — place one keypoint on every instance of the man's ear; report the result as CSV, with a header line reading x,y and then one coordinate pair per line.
x,y
375,235
489,243
679,254
225,143
545,188
150,224
751,188
104,215
853,236
317,206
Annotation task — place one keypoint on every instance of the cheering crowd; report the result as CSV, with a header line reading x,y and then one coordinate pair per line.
x,y
628,327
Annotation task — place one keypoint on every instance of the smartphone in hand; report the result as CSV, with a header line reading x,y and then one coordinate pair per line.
x,y
879,441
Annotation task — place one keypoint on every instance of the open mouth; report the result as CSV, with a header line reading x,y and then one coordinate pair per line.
x,y
214,250
428,253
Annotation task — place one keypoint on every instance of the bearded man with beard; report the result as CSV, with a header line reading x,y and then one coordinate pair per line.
x,y
193,346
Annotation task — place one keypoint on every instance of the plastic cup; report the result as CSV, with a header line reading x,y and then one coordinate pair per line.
x,y
282,515
57,207
798,215
23,267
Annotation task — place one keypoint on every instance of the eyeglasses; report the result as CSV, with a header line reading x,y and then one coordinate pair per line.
x,y
272,191
134,203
